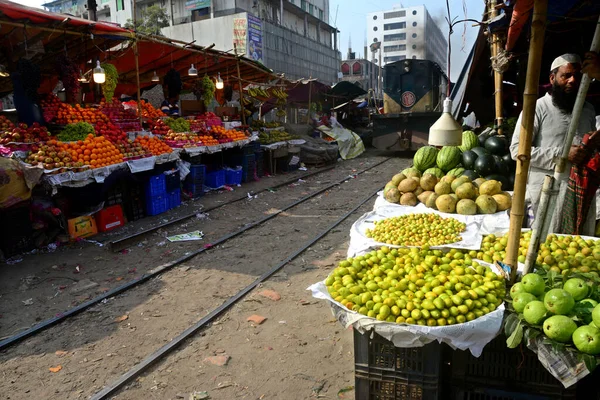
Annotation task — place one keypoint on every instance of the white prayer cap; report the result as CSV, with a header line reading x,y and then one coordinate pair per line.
x,y
565,59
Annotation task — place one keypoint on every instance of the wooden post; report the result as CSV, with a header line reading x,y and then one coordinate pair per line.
x,y
137,66
534,64
495,46
309,101
240,89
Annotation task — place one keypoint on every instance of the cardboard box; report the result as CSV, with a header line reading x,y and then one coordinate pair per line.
x,y
82,227
191,107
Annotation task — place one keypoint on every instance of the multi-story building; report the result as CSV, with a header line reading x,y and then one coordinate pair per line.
x,y
292,37
406,33
360,71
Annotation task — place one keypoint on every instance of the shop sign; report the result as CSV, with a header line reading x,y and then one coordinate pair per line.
x,y
196,4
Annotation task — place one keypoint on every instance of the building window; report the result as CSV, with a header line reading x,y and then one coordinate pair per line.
x,y
397,36
414,46
414,57
303,4
375,40
394,14
375,28
120,5
414,35
321,14
396,25
393,58
397,47
374,17
414,12
414,24
310,9
345,69
357,69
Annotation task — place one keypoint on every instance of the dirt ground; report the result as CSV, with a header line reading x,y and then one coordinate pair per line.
x,y
298,352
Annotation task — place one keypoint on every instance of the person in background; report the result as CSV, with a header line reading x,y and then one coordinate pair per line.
x,y
551,123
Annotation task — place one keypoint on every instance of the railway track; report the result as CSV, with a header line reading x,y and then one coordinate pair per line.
x,y
142,365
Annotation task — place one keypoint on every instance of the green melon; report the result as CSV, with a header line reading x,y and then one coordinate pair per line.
x,y
438,173
469,141
425,158
448,158
456,172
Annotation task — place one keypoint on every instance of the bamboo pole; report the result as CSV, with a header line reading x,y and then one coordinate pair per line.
x,y
495,46
309,101
548,197
240,89
137,66
534,64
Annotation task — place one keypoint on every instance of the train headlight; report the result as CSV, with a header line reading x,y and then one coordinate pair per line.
x,y
407,66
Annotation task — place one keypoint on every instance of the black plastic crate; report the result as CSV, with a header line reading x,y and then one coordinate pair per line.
x,y
503,373
193,190
249,174
386,372
172,182
134,205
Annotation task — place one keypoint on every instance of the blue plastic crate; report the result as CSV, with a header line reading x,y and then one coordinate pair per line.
x,y
250,174
197,173
173,199
156,186
156,205
215,179
233,176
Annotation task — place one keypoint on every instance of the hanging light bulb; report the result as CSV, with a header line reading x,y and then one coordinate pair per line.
x,y
82,77
3,71
155,77
193,71
98,72
445,131
219,82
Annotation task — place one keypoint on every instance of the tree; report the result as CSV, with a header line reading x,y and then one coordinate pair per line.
x,y
152,19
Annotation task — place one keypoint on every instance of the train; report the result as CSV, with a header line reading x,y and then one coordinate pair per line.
x,y
413,94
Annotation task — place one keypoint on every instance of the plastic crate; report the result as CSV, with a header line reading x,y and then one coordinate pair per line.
x,y
110,218
503,373
82,227
215,179
249,174
156,186
173,199
251,148
386,372
233,176
193,190
172,182
134,203
197,173
156,205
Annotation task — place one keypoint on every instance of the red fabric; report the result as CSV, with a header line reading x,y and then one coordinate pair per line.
x,y
36,16
520,16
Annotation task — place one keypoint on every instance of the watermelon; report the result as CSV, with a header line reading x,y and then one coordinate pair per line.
x,y
425,158
497,145
507,158
469,140
485,165
480,151
456,172
468,159
470,174
438,173
501,167
448,157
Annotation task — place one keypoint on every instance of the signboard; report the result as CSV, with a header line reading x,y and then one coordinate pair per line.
x,y
408,99
196,4
255,38
240,35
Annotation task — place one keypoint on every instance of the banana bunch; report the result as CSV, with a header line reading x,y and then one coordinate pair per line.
x,y
279,93
281,113
248,113
246,101
257,92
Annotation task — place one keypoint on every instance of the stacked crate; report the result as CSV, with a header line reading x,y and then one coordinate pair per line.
x,y
156,195
194,182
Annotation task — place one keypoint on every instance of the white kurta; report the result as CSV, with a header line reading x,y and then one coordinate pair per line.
x,y
549,134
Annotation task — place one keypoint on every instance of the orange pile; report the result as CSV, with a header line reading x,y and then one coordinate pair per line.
x,y
232,134
94,151
153,145
69,115
208,140
150,112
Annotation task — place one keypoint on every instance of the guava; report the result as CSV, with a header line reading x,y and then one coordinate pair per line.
x,y
559,328
577,288
516,289
591,303
521,300
559,302
534,312
587,339
596,315
534,284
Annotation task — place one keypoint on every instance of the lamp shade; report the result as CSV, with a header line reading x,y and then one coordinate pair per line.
x,y
155,77
82,77
98,72
219,82
192,71
445,131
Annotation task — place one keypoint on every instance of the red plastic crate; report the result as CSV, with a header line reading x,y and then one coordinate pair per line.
x,y
110,218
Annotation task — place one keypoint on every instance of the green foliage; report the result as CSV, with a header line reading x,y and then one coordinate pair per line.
x,y
152,20
208,90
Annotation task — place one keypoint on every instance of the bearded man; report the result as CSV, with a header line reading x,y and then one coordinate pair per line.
x,y
550,127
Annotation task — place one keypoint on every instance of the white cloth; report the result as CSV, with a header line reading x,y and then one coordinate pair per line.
x,y
564,60
550,128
